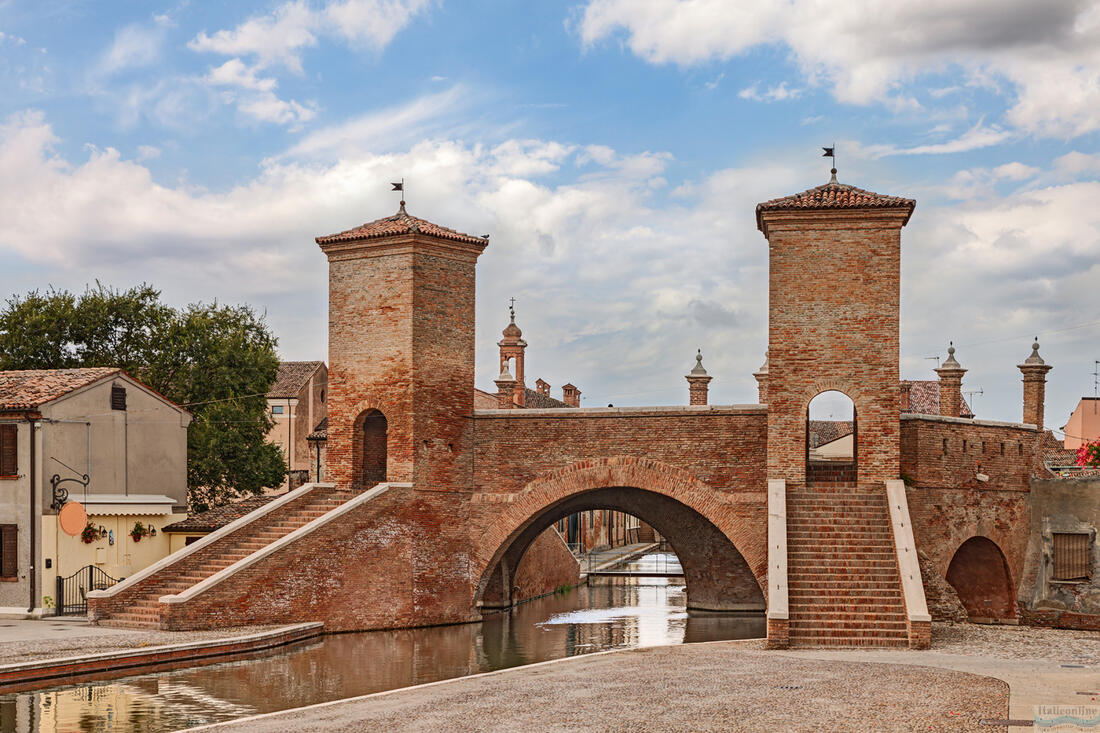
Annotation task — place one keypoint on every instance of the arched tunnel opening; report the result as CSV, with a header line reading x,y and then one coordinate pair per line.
x,y
715,575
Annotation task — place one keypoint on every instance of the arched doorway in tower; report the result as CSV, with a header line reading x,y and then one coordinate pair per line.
x,y
979,574
369,448
831,438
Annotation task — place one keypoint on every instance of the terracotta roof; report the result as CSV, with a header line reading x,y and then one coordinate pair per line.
x,y
924,398
398,224
218,517
293,375
536,401
834,195
320,432
28,389
826,431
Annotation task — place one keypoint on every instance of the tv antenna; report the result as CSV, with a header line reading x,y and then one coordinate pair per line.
x,y
970,396
936,358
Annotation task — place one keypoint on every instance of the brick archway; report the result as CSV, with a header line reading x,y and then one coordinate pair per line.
x,y
721,544
979,573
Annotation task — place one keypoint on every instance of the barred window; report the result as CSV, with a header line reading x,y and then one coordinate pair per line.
x,y
1071,556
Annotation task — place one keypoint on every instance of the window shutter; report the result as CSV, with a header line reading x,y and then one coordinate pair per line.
x,y
9,453
118,397
9,548
1071,556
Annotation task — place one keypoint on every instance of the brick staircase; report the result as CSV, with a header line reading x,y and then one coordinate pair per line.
x,y
137,605
843,582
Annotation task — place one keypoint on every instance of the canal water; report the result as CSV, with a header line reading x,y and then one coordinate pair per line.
x,y
611,613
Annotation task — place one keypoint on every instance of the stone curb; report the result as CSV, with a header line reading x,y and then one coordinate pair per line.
x,y
67,670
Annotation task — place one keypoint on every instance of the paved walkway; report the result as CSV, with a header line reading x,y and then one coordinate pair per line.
x,y
723,686
65,636
604,559
1032,682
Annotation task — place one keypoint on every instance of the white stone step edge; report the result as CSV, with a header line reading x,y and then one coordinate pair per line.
x,y
912,587
207,540
288,539
778,607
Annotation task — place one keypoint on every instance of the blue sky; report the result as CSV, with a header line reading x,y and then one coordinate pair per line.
x,y
614,150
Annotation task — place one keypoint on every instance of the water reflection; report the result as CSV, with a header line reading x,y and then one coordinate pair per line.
x,y
608,614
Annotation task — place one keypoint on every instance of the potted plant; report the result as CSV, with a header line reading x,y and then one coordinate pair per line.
x,y
139,531
91,533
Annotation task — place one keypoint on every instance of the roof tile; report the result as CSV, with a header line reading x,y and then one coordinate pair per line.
x,y
834,195
398,224
28,389
292,376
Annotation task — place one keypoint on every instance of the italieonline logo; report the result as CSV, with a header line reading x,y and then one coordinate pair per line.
x,y
1067,717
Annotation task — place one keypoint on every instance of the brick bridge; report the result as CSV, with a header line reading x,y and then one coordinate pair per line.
x,y
434,505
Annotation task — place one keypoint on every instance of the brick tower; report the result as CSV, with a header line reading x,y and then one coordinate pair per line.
x,y
834,291
401,352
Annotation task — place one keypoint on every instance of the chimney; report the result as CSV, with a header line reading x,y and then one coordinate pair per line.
x,y
951,374
698,379
570,395
506,390
1035,386
906,404
542,387
762,380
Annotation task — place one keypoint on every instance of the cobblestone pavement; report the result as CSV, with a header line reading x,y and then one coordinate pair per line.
x,y
1018,642
24,641
702,687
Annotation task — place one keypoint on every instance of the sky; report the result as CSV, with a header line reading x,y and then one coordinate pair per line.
x,y
613,149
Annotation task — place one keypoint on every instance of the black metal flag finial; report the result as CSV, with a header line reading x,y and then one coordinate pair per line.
x,y
399,186
830,152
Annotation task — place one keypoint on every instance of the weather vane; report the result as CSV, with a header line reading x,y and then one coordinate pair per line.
x,y
399,186
831,153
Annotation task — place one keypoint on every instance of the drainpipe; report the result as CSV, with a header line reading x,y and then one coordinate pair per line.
x,y
34,533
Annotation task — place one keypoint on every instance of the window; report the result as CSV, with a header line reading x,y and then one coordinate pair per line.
x,y
945,446
1002,448
322,396
1071,556
9,451
964,446
9,548
118,397
276,409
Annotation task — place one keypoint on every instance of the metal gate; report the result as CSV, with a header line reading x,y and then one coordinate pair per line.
x,y
72,592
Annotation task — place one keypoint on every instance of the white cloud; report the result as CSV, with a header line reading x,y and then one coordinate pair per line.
x,y
1049,53
266,107
235,72
779,93
134,46
148,152
979,136
279,37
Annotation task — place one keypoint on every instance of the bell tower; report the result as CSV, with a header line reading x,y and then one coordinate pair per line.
x,y
833,320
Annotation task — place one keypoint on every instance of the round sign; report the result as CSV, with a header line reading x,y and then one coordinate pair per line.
x,y
72,518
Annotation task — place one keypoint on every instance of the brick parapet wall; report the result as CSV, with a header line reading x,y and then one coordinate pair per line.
x,y
199,559
399,560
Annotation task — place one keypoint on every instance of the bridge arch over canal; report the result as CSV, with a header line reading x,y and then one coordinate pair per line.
x,y
719,542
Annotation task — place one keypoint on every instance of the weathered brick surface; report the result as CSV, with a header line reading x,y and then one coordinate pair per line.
x,y
833,326
545,567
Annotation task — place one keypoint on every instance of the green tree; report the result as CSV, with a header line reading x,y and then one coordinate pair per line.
x,y
219,361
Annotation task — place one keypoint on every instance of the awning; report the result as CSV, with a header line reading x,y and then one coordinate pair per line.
x,y
108,504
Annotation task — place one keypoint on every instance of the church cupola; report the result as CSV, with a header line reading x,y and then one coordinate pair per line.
x,y
512,347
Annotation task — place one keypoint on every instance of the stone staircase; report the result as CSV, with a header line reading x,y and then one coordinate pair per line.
x,y
136,604
843,582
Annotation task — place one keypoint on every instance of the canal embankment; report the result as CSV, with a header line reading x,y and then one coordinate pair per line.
x,y
38,653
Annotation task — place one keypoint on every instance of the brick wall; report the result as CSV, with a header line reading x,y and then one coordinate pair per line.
x,y
947,502
545,567
833,325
